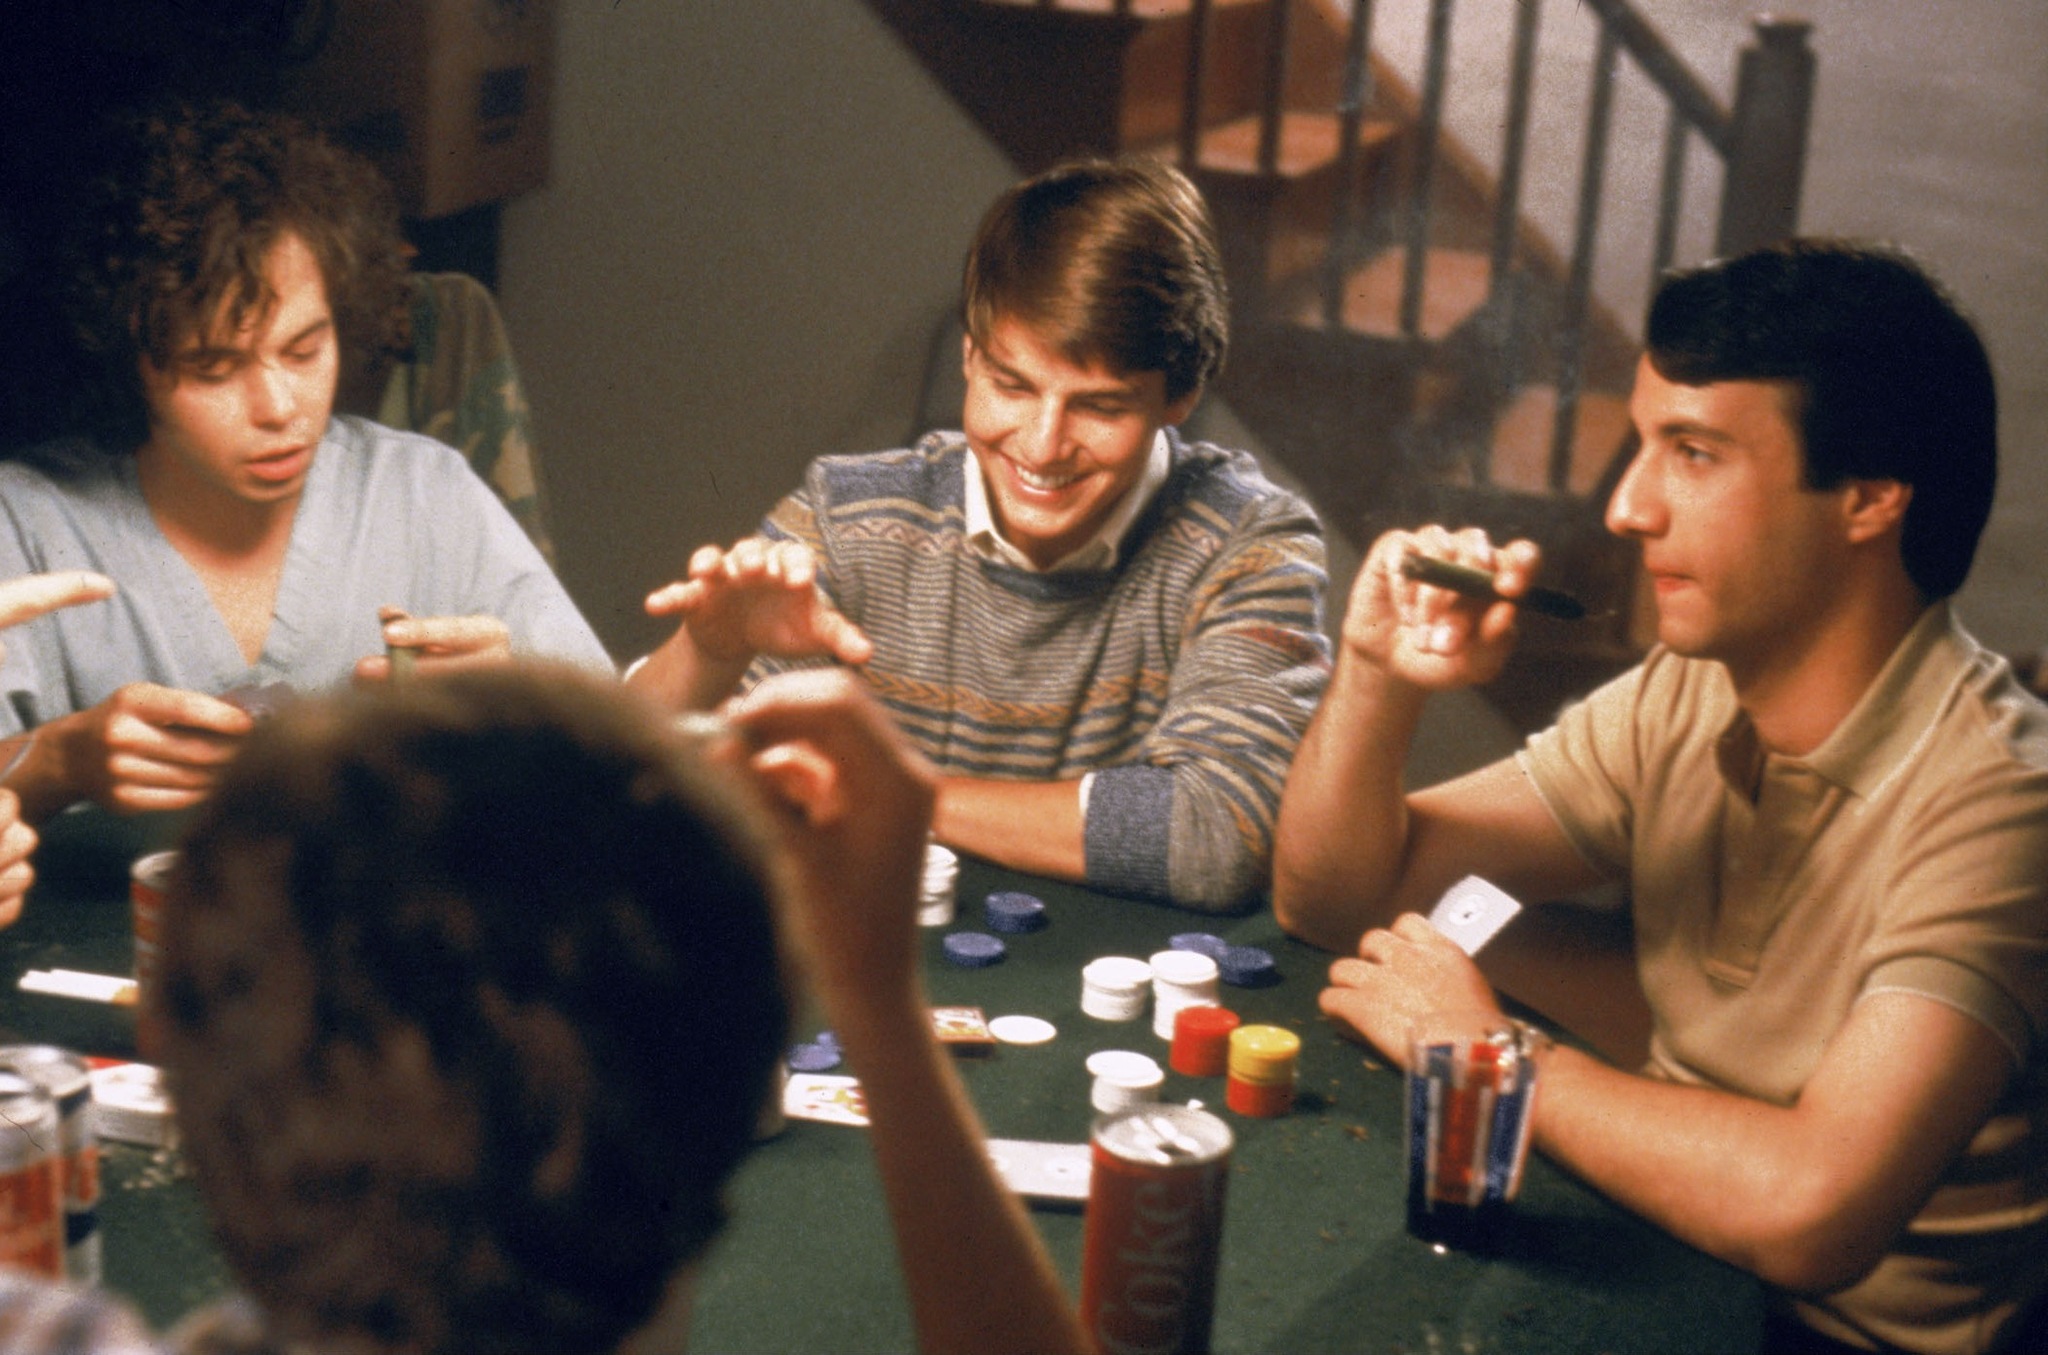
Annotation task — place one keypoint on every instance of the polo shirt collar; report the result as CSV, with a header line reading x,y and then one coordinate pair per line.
x,y
1100,551
1872,742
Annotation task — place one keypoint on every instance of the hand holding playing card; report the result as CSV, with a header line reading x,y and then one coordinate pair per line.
x,y
1472,911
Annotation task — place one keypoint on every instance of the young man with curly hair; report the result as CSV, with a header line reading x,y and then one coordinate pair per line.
x,y
213,276
1108,638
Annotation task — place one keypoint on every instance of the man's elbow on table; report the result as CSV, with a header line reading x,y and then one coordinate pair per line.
x,y
1800,1222
1807,1247
1317,917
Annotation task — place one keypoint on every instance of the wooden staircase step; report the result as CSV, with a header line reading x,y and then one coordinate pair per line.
x,y
1455,283
1308,143
1521,440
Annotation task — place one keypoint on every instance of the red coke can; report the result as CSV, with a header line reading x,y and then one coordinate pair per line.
x,y
1154,1230
65,1076
31,1183
147,879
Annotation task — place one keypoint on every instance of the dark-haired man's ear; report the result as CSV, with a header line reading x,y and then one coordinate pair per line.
x,y
1874,507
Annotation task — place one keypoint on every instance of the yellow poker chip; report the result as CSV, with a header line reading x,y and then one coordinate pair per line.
x,y
1022,1029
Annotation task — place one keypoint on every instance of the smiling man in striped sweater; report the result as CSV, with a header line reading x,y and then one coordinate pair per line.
x,y
1108,639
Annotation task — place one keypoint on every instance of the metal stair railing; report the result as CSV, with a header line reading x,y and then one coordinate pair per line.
x,y
1761,140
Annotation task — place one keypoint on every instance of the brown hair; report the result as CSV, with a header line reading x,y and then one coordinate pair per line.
x,y
173,232
470,994
1108,261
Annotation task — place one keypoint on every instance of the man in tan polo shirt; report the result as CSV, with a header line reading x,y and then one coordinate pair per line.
x,y
1828,804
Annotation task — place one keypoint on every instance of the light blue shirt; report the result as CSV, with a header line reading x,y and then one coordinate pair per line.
x,y
386,518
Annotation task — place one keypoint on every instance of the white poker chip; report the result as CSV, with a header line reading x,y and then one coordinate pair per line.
x,y
1123,1065
1021,1029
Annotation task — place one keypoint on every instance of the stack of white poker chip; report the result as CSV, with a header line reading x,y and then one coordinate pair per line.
x,y
936,891
1123,1079
1180,978
130,1105
1113,988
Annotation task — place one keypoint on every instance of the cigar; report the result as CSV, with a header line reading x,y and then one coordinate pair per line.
x,y
402,658
1478,583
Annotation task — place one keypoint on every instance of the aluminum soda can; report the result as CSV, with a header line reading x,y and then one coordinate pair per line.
x,y
31,1203
146,880
1154,1230
68,1080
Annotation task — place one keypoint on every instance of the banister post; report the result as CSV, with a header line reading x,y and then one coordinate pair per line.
x,y
1767,142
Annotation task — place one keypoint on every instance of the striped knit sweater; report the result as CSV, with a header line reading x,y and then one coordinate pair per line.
x,y
1184,677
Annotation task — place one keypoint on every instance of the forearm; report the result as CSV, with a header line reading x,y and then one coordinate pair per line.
x,y
1342,835
47,778
1032,826
978,1277
1779,1191
680,676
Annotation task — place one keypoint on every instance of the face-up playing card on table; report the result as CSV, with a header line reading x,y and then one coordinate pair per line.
x,y
822,1096
1471,911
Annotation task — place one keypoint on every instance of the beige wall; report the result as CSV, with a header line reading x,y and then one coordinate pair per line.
x,y
755,221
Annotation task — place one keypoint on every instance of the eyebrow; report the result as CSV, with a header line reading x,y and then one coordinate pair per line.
x,y
1123,387
203,353
1692,428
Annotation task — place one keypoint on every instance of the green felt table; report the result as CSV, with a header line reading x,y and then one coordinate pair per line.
x,y
1315,1252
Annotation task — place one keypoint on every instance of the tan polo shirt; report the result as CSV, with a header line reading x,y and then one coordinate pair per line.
x,y
1908,853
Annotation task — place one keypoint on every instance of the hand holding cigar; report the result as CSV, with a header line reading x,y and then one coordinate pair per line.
x,y
1466,581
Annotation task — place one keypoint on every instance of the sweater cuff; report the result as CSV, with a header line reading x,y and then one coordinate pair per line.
x,y
1128,825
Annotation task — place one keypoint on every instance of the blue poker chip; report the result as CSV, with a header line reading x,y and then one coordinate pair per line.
x,y
1247,967
813,1058
1009,911
973,950
1202,943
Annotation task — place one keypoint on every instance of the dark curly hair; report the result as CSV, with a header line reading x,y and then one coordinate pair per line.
x,y
470,996
1109,260
172,231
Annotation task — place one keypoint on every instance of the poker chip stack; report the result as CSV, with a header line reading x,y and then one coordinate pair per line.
x,y
1113,988
1180,978
1123,1079
1010,911
1247,967
935,895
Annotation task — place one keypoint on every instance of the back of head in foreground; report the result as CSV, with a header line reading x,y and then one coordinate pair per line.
x,y
1892,379
470,998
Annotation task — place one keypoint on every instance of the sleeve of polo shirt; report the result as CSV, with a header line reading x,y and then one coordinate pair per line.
x,y
1965,921
1586,770
1191,818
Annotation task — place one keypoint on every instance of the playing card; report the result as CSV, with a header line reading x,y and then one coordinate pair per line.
x,y
260,701
1056,1172
826,1097
961,1026
1471,911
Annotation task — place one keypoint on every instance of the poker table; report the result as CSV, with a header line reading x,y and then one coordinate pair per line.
x,y
1315,1252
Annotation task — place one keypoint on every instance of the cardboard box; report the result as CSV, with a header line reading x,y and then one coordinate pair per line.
x,y
449,97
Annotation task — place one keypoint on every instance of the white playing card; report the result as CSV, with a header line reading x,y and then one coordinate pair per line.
x,y
1055,1172
1471,911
